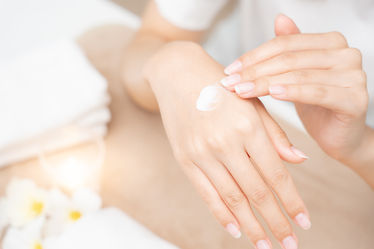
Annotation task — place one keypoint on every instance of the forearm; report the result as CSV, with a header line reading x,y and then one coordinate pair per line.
x,y
179,62
136,55
362,161
153,34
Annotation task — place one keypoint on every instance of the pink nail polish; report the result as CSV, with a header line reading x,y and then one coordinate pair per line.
x,y
303,221
233,230
233,67
244,87
277,90
263,244
289,243
299,153
231,80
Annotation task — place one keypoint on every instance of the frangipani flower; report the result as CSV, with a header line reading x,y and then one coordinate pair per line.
x,y
65,212
28,237
24,202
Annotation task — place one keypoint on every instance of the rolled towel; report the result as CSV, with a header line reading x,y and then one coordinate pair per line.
x,y
50,98
108,228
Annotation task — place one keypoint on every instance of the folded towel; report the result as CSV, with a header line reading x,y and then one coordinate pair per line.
x,y
49,99
108,228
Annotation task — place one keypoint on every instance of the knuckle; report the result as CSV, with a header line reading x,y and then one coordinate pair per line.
x,y
207,198
217,142
299,76
339,39
250,73
263,81
288,59
280,43
319,93
280,134
354,55
362,77
234,199
281,229
355,52
361,103
260,196
244,126
279,178
197,148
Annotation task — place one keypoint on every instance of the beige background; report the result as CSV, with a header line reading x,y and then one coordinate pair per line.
x,y
141,176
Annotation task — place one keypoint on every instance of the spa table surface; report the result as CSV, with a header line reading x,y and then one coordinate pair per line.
x,y
142,178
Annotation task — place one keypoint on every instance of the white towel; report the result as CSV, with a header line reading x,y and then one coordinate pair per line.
x,y
108,228
49,99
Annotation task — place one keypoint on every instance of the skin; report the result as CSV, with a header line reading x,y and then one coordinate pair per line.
x,y
163,73
324,77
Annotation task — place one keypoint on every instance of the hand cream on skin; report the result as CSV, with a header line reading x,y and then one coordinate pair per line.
x,y
209,98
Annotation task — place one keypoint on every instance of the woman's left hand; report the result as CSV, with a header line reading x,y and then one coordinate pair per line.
x,y
320,73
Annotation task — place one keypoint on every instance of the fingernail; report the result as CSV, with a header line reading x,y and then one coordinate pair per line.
x,y
233,230
262,244
289,243
244,87
233,67
303,221
277,90
231,80
299,153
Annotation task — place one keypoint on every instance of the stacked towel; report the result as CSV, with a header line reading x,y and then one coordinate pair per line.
x,y
50,98
108,228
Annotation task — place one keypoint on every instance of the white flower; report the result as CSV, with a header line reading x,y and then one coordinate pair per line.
x,y
64,212
24,202
28,237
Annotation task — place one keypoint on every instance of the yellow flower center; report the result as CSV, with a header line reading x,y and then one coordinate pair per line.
x,y
75,215
37,207
37,245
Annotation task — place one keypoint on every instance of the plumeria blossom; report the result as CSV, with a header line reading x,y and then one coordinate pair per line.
x,y
64,212
24,202
27,237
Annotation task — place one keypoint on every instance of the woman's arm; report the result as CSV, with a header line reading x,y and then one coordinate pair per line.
x,y
154,33
362,162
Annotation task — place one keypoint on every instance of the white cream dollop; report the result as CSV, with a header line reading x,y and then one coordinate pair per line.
x,y
209,98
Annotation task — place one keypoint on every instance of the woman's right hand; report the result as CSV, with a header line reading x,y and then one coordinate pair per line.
x,y
228,153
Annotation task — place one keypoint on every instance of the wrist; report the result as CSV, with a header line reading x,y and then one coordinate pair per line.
x,y
362,159
180,69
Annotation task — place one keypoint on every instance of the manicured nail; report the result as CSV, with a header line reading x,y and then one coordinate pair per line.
x,y
303,221
244,87
233,67
277,90
289,243
233,230
231,80
299,153
262,244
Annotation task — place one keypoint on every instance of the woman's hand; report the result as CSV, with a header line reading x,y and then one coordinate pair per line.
x,y
227,152
320,73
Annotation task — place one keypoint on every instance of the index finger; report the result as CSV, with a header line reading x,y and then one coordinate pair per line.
x,y
287,43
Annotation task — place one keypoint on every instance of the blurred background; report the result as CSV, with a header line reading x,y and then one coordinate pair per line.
x,y
135,6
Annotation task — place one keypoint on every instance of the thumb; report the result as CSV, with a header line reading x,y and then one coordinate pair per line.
x,y
284,25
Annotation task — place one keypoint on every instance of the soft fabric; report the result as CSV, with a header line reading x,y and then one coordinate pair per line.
x,y
49,99
108,228
354,18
